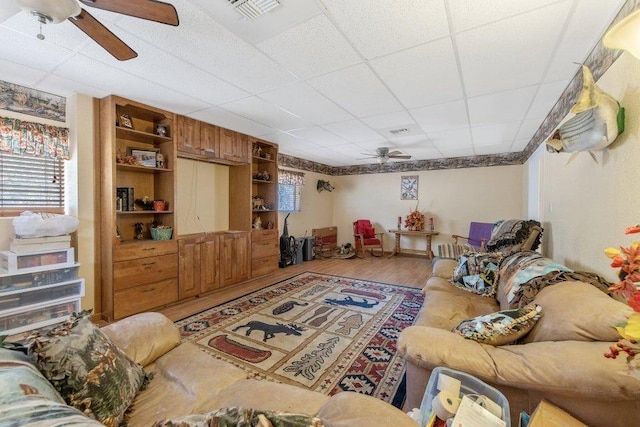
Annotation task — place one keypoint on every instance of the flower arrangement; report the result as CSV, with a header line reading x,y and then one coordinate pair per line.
x,y
415,220
628,261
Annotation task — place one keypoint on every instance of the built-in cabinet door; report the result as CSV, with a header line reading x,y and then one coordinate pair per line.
x,y
227,140
209,262
242,150
189,253
209,145
188,135
234,259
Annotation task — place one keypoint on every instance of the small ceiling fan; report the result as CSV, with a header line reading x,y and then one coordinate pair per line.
x,y
383,155
57,11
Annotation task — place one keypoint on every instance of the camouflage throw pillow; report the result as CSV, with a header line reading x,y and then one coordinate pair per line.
x,y
244,417
87,369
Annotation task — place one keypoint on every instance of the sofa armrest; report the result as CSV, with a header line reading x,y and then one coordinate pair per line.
x,y
144,337
571,368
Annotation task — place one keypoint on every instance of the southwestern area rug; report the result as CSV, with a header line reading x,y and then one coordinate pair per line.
x,y
321,332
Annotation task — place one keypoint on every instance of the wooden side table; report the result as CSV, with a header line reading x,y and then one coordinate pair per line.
x,y
426,234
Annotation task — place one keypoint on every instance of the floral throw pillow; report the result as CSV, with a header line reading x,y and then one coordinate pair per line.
x,y
87,369
502,327
477,272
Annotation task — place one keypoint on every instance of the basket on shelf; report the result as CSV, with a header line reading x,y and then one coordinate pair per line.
x,y
161,233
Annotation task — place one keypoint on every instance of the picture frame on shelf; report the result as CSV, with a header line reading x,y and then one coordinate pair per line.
x,y
147,158
126,121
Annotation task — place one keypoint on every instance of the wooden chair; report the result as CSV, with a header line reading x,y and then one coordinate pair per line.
x,y
476,241
366,238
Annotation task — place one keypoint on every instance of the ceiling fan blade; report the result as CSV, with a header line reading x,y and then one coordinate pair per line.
x,y
399,156
394,152
101,34
150,10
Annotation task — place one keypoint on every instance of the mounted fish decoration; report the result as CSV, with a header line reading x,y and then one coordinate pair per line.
x,y
598,121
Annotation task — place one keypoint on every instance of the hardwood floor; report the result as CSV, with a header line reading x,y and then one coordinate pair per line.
x,y
399,270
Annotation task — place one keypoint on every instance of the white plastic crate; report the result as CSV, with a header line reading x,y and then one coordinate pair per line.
x,y
24,263
25,298
12,323
44,276
470,385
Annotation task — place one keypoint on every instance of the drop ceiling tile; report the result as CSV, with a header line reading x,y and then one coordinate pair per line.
x,y
434,118
202,41
311,48
31,52
457,152
547,96
470,14
163,68
423,153
519,145
305,102
587,25
102,76
449,139
511,53
357,90
390,120
353,130
492,149
528,128
225,119
20,74
319,136
265,113
423,75
352,151
369,24
510,105
289,143
500,134
416,138
68,87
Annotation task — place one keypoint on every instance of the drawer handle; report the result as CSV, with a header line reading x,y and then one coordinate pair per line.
x,y
149,264
149,249
149,290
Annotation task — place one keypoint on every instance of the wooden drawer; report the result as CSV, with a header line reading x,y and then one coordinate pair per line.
x,y
263,248
257,235
145,249
265,265
145,297
144,270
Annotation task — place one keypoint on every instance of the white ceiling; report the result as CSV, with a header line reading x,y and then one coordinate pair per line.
x,y
328,79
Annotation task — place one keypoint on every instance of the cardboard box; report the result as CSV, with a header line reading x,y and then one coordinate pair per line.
x,y
548,415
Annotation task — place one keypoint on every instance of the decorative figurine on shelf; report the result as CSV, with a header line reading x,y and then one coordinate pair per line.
x,y
139,227
161,130
257,223
160,161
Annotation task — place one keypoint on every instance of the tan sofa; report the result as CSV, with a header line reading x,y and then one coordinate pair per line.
x,y
188,381
561,360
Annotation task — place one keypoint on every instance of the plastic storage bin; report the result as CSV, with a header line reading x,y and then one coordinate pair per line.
x,y
470,385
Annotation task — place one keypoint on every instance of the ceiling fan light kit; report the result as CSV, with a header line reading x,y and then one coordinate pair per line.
x,y
57,11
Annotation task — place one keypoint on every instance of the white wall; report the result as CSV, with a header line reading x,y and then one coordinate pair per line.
x,y
587,206
452,197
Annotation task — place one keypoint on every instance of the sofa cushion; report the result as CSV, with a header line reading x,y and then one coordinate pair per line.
x,y
577,311
518,269
500,328
38,411
160,335
514,235
478,273
444,268
88,370
348,409
239,416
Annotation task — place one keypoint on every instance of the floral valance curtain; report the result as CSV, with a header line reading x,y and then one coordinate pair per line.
x,y
35,139
290,177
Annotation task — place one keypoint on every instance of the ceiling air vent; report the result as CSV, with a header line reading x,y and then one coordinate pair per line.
x,y
251,9
398,131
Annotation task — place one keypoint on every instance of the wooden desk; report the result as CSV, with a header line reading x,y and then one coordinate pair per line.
x,y
427,234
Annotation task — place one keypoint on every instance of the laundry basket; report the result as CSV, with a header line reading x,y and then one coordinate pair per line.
x,y
470,385
161,233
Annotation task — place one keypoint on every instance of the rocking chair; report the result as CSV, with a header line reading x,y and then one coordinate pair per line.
x,y
366,238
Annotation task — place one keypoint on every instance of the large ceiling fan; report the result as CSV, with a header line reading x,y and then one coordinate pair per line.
x,y
57,11
383,155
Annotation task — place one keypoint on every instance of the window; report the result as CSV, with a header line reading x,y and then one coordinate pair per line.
x,y
31,183
289,190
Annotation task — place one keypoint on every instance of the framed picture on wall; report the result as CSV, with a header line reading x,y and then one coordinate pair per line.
x,y
409,187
